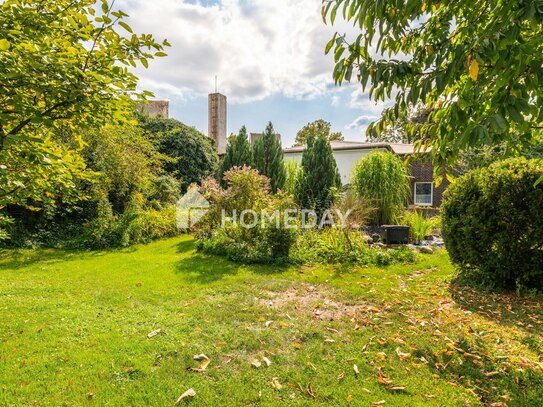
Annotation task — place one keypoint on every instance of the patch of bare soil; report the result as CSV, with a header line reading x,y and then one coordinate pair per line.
x,y
315,301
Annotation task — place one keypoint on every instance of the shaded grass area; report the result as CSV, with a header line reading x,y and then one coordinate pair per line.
x,y
73,331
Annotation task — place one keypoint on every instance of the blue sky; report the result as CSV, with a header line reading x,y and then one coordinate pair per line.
x,y
268,56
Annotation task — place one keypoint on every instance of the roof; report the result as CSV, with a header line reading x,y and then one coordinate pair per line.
x,y
397,148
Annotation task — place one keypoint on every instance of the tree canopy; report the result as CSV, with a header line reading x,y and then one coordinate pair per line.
x,y
317,128
192,154
268,158
64,63
476,64
238,152
318,181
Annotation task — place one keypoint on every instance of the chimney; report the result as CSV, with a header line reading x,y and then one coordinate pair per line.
x,y
217,120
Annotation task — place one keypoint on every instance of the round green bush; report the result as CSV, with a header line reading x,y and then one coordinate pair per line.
x,y
493,226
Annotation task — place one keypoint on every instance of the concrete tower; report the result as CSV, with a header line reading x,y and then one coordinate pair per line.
x,y
217,120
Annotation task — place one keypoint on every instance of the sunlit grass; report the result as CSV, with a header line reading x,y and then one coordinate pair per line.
x,y
73,331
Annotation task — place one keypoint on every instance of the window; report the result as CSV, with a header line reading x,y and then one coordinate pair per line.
x,y
424,193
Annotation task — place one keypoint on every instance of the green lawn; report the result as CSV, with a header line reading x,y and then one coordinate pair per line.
x,y
74,326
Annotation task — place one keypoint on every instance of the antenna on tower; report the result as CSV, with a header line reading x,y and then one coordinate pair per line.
x,y
216,84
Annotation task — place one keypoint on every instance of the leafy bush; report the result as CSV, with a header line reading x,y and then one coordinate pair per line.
x,y
492,225
269,240
382,179
419,224
332,245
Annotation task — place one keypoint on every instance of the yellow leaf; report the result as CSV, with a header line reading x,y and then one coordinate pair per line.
x,y
4,45
474,70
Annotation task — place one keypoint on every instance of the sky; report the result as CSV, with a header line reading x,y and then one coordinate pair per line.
x,y
268,56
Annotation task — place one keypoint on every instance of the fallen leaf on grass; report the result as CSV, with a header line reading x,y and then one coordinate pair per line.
x,y
310,391
491,374
329,340
255,363
266,361
153,333
311,365
203,366
297,346
381,355
399,388
275,383
382,378
268,323
201,356
188,394
378,403
341,376
356,371
401,355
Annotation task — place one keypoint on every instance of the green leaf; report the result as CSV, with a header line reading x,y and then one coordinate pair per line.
x,y
330,44
4,45
126,27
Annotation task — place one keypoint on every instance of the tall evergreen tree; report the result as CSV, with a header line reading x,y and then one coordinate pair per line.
x,y
319,178
238,152
268,158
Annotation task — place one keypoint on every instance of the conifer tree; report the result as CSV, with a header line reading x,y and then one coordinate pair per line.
x,y
238,152
268,158
319,179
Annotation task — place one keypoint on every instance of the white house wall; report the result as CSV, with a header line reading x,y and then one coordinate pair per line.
x,y
345,160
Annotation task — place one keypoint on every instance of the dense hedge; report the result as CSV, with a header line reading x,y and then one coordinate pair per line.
x,y
492,223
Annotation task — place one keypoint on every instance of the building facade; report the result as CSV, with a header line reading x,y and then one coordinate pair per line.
x,y
424,190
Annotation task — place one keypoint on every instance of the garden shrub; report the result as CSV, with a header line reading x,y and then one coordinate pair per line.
x,y
382,179
247,190
419,224
492,224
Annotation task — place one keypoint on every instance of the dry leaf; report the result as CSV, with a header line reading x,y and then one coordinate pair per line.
x,y
382,378
491,374
268,323
255,363
188,394
201,356
382,355
341,376
311,365
203,366
310,391
356,371
378,403
153,333
396,387
297,345
266,361
329,341
275,383
401,355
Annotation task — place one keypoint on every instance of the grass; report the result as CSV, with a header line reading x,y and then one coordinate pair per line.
x,y
73,331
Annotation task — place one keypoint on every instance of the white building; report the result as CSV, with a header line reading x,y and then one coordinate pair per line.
x,y
347,153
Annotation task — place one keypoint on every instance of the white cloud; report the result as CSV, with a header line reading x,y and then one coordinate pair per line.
x,y
362,122
257,48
